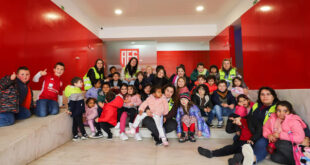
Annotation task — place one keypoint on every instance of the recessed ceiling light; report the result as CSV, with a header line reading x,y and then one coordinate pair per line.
x,y
133,43
51,16
265,8
200,8
118,11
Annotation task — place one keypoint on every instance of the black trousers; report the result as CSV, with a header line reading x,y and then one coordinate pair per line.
x,y
169,126
106,127
283,153
97,125
78,123
132,113
234,148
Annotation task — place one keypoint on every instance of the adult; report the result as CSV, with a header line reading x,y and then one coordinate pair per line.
x,y
228,72
160,78
129,72
16,101
94,73
180,73
261,111
170,123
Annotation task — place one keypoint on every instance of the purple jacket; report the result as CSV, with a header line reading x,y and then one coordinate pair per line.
x,y
92,93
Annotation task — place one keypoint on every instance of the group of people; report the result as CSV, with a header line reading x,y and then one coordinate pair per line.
x,y
181,103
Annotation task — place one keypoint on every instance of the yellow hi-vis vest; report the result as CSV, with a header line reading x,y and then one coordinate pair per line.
x,y
86,80
232,74
271,110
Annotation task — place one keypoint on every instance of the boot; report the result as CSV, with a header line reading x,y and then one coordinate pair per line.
x,y
191,136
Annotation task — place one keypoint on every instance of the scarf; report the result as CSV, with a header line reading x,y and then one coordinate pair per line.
x,y
222,94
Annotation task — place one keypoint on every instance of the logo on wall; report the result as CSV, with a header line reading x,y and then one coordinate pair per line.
x,y
127,54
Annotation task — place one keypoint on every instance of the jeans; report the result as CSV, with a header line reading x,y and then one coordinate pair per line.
x,y
132,82
219,111
260,149
8,118
46,107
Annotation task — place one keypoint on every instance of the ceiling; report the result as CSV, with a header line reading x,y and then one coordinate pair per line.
x,y
155,12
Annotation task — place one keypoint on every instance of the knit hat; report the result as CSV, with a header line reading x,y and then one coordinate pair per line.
x,y
185,95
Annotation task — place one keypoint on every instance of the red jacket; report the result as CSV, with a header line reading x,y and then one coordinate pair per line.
x,y
109,110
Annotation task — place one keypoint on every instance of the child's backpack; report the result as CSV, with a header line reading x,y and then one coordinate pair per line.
x,y
298,154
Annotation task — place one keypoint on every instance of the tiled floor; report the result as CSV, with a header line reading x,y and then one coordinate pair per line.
x,y
131,152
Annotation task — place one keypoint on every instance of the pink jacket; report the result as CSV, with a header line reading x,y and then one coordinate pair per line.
x,y
158,106
91,113
243,111
291,123
135,100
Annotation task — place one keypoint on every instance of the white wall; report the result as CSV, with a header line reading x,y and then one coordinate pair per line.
x,y
170,46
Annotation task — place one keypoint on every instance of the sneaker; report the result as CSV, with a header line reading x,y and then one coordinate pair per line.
x,y
248,154
131,131
117,125
210,125
220,124
138,137
76,138
191,137
84,137
236,160
98,135
205,152
110,136
159,143
165,142
92,135
123,136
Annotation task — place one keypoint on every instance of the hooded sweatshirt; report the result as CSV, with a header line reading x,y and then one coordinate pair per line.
x,y
158,106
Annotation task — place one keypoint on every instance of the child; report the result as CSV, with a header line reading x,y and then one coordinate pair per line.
x,y
51,91
202,99
116,83
211,83
124,90
101,99
250,132
188,119
108,117
149,75
201,79
214,71
140,82
146,92
131,103
244,105
93,92
238,87
91,113
160,78
158,106
112,71
76,107
181,85
224,103
284,128
200,70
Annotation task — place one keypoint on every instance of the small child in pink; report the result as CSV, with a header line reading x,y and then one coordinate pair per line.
x,y
91,114
244,105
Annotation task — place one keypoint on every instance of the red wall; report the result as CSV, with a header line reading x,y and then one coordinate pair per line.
x,y
222,46
275,45
28,38
172,59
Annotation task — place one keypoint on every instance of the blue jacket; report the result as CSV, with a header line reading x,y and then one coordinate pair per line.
x,y
193,111
216,98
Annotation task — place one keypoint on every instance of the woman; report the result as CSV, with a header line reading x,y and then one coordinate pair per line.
x,y
261,111
227,72
129,71
93,74
180,73
170,123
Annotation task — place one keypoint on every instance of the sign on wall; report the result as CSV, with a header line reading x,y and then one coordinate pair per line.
x,y
127,54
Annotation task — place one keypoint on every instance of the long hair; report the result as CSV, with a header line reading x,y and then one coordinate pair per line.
x,y
100,71
134,90
189,105
131,70
272,91
203,86
175,96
